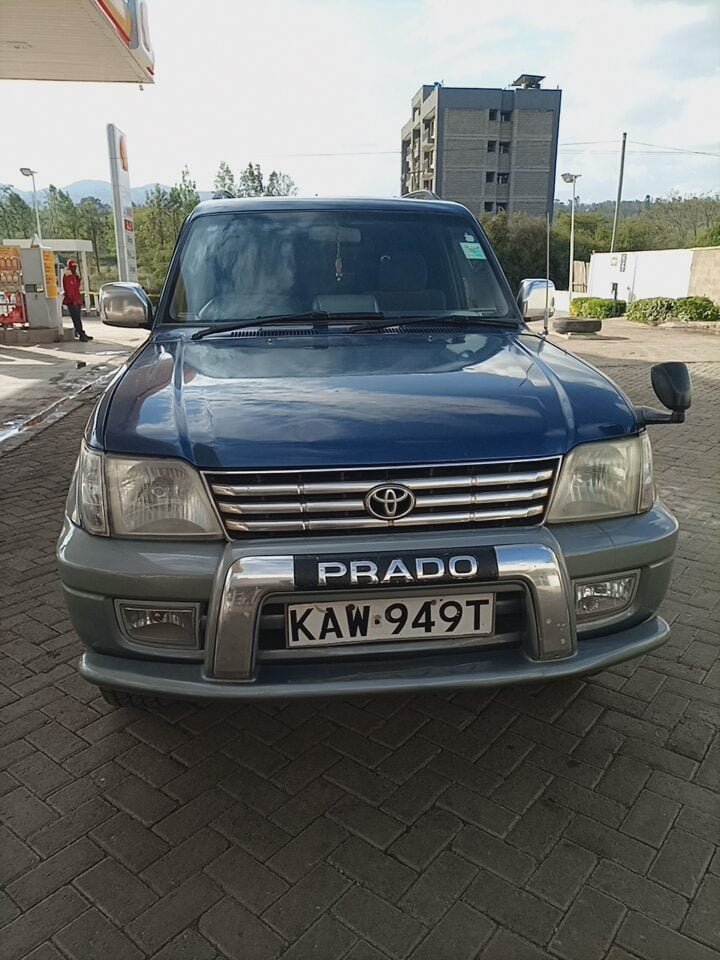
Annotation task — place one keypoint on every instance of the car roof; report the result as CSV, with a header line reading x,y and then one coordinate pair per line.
x,y
379,204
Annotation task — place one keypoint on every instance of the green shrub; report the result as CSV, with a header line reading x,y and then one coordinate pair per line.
x,y
657,310
577,306
596,307
654,310
698,309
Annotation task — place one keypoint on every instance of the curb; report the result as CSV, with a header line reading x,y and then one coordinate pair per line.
x,y
694,327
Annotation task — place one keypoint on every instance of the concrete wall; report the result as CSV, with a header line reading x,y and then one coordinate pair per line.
x,y
705,273
656,273
641,274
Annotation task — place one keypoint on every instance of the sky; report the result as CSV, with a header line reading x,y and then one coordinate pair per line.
x,y
321,89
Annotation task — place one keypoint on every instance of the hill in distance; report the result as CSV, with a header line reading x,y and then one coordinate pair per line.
x,y
101,189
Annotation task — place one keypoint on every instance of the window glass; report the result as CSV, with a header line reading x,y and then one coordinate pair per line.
x,y
237,266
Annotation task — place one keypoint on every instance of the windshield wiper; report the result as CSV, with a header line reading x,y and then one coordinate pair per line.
x,y
311,316
443,318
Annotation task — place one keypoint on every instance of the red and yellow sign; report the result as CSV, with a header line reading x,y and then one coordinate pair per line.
x,y
119,14
12,308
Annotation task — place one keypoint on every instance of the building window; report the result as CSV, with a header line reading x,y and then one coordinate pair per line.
x,y
493,114
506,116
492,146
501,207
488,206
489,177
504,146
503,178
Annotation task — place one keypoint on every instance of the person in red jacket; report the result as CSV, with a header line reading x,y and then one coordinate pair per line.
x,y
73,299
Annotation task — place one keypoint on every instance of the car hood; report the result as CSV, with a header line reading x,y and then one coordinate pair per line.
x,y
331,399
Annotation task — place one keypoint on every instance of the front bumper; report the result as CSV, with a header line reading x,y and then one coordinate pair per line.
x,y
190,681
232,581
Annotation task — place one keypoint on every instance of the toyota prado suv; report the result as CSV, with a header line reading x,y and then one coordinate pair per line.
x,y
342,463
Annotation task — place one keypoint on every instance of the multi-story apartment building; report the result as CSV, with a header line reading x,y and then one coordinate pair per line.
x,y
490,149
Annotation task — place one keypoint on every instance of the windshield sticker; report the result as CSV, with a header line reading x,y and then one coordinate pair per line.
x,y
470,237
473,251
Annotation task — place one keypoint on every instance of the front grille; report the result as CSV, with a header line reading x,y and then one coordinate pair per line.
x,y
276,503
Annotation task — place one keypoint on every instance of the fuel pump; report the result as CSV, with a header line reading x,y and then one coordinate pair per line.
x,y
43,303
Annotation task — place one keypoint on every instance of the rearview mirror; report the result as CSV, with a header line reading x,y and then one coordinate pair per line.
x,y
327,233
124,304
532,298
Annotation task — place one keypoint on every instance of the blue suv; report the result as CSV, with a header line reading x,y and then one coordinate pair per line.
x,y
343,464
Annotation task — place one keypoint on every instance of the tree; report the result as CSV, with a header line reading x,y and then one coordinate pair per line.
x,y
155,236
637,233
158,204
710,237
95,224
250,182
280,185
182,198
520,243
60,215
225,178
593,232
679,221
17,219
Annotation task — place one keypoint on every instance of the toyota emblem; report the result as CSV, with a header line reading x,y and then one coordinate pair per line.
x,y
390,501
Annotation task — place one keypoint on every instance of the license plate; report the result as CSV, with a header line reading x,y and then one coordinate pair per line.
x,y
390,619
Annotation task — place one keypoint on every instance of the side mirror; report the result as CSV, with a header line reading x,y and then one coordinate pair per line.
x,y
532,297
672,385
125,304
673,388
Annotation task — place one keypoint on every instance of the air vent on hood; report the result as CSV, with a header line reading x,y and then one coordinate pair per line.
x,y
314,331
267,332
428,329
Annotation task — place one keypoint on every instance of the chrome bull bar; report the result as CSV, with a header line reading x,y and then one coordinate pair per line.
x,y
242,587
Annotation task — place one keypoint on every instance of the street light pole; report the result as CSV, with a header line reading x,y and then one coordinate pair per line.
x,y
27,172
571,178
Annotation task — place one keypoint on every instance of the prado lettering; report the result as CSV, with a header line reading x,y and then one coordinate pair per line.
x,y
334,572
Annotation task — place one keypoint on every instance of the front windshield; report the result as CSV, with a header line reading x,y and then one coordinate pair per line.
x,y
239,266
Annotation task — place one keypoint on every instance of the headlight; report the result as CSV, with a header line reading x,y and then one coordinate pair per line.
x,y
608,479
132,497
647,481
158,498
91,492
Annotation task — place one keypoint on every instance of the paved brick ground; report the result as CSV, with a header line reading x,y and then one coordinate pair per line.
x,y
577,821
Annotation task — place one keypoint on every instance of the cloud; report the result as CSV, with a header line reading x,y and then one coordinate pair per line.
x,y
278,82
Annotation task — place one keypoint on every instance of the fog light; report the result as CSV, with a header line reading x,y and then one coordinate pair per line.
x,y
170,626
600,598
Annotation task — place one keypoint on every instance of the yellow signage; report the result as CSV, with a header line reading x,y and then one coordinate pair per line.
x,y
51,287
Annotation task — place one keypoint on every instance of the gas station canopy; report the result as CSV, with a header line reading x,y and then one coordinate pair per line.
x,y
95,40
